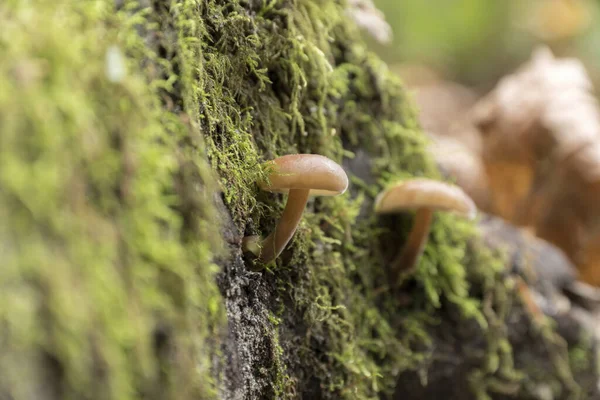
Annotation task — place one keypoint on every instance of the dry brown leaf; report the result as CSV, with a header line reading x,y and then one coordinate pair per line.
x,y
547,94
540,132
529,151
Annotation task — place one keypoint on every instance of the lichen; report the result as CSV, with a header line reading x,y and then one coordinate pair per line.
x,y
109,230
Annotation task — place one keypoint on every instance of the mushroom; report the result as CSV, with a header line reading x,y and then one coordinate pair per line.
x,y
301,176
426,196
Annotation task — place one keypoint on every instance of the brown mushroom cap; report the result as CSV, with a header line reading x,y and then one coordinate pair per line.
x,y
425,193
319,174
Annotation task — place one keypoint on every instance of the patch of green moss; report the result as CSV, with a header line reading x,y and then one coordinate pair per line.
x,y
299,80
321,92
580,357
106,285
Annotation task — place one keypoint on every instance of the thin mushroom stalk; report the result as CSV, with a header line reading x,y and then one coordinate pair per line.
x,y
272,246
406,260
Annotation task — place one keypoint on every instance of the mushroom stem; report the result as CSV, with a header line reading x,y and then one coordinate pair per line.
x,y
406,261
273,244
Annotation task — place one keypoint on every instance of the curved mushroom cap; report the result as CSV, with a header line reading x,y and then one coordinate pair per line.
x,y
425,193
319,174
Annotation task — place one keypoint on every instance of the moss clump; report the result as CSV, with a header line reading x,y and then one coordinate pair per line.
x,y
288,77
301,81
106,285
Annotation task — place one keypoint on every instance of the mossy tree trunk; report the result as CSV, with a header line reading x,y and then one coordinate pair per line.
x,y
131,138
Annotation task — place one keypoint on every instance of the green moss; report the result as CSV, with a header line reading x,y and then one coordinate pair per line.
x,y
320,92
106,282
580,357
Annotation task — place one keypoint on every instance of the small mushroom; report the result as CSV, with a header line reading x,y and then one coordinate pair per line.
x,y
301,176
426,196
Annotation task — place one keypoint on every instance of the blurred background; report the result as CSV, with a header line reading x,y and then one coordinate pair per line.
x,y
475,42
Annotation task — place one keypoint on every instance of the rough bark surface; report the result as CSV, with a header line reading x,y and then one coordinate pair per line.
x,y
132,134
